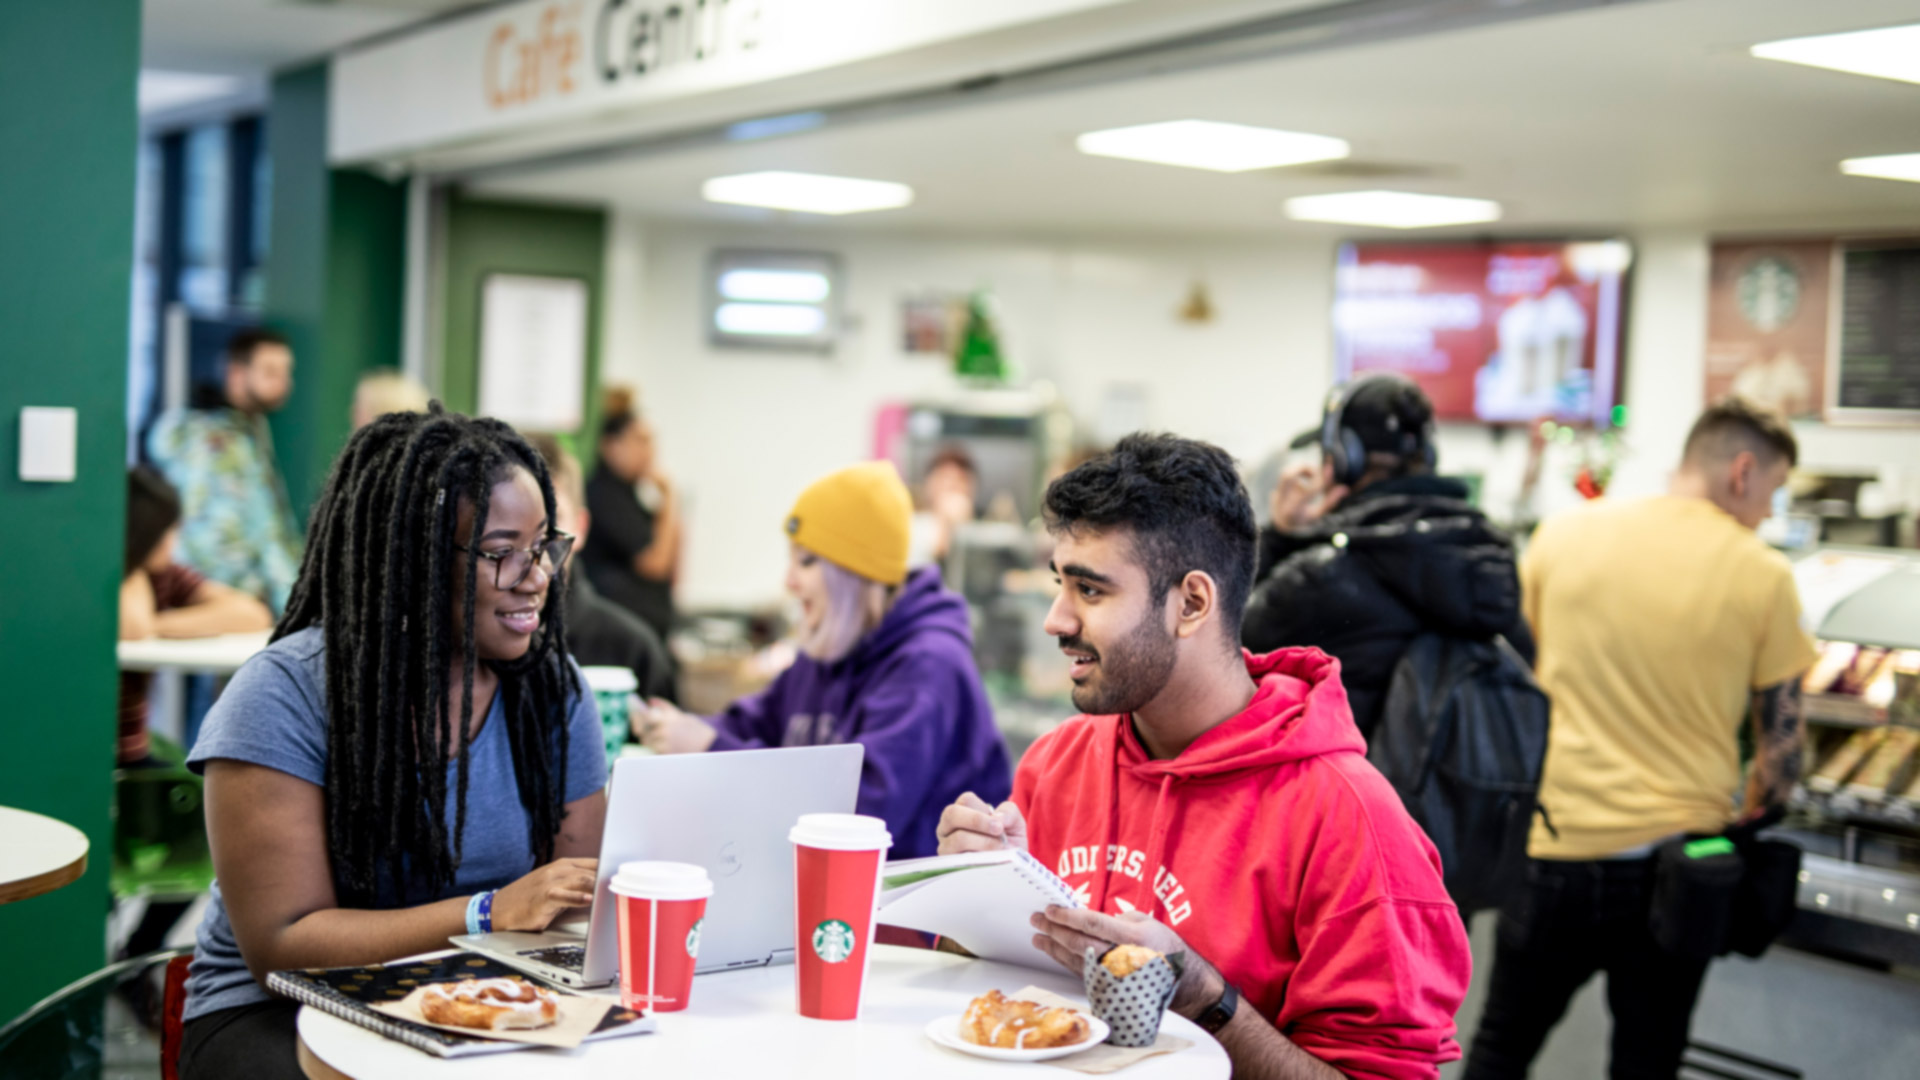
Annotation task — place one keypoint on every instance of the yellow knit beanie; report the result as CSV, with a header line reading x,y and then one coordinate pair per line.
x,y
857,519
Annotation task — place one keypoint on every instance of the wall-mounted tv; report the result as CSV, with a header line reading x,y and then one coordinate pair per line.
x,y
1494,331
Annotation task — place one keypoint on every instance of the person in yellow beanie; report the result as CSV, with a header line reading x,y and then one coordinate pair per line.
x,y
886,661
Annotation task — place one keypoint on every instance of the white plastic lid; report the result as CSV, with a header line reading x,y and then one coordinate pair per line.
x,y
842,832
662,881
611,680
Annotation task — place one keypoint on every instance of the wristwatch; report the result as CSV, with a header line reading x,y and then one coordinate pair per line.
x,y
1218,1014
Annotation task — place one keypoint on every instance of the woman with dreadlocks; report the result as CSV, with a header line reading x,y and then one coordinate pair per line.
x,y
415,755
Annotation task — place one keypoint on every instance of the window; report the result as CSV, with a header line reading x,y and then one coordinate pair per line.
x,y
773,300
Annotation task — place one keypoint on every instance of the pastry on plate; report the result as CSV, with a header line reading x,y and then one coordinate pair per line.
x,y
511,1004
993,1019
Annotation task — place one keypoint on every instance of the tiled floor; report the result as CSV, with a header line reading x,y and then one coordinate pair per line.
x,y
1826,1018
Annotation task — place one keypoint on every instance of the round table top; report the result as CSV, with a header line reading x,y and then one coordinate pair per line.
x,y
743,1024
40,854
220,655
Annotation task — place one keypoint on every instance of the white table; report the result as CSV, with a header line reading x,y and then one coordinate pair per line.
x,y
221,655
39,855
743,1024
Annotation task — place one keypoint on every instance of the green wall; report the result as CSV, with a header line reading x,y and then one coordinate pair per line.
x,y
336,270
484,237
67,119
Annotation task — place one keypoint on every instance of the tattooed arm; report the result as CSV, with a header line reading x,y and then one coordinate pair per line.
x,y
1778,746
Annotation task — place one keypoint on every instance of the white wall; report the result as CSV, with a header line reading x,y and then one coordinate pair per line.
x,y
742,432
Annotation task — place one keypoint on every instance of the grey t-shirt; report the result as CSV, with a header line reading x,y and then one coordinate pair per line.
x,y
274,713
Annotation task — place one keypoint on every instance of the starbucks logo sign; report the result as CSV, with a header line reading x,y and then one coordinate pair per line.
x,y
833,941
693,937
1769,293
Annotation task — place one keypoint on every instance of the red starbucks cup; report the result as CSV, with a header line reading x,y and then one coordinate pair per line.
x,y
662,908
837,859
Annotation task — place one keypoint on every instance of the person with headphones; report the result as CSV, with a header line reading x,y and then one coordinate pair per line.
x,y
1371,548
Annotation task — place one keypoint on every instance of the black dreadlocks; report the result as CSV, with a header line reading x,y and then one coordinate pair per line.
x,y
378,579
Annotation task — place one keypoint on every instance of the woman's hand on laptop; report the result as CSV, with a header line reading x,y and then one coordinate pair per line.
x,y
533,902
971,825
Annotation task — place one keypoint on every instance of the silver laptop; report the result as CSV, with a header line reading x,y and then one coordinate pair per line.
x,y
727,811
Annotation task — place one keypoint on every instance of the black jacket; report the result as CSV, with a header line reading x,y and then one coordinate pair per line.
x,y
1398,558
622,529
601,632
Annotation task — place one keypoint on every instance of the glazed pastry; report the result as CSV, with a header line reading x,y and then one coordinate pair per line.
x,y
1835,770
994,1020
511,1004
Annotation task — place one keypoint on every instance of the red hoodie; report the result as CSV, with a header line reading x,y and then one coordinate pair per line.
x,y
1275,851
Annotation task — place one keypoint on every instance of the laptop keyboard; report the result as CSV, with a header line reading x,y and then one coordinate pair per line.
x,y
564,957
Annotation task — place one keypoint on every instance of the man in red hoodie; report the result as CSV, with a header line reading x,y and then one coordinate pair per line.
x,y
1219,803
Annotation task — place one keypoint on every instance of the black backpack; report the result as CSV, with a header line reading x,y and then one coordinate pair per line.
x,y
1462,737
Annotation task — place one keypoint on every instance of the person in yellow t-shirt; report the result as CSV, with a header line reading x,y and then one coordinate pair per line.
x,y
1662,625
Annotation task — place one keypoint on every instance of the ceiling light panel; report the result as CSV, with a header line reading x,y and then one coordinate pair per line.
x,y
1889,53
1392,209
808,193
1885,167
1207,144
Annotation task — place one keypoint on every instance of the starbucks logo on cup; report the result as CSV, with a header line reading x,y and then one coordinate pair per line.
x,y
693,938
833,941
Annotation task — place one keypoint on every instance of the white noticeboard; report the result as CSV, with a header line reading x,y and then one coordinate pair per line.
x,y
533,350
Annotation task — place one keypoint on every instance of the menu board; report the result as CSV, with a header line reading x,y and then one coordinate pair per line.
x,y
1878,374
1501,332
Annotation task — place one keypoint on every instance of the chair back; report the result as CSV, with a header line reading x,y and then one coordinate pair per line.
x,y
173,1002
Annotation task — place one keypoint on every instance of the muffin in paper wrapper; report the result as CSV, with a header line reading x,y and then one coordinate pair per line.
x,y
1132,1006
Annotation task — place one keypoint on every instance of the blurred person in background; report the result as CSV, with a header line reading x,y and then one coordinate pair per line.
x,y
949,497
385,390
633,556
1664,625
599,631
161,598
886,661
236,527
1368,549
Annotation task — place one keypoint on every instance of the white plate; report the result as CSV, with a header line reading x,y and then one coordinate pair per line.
x,y
946,1032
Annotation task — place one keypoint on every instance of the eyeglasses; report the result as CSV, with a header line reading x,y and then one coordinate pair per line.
x,y
512,566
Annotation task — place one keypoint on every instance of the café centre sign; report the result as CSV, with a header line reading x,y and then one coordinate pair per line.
x,y
515,67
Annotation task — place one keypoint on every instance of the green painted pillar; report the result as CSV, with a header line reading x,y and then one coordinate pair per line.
x,y
336,274
487,237
68,121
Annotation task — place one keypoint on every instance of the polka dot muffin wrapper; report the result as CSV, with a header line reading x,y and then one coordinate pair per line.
x,y
1132,1006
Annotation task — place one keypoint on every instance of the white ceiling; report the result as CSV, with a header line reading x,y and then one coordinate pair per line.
x,y
250,38
1637,116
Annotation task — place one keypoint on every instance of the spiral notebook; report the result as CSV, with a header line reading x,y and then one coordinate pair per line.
x,y
980,900
346,992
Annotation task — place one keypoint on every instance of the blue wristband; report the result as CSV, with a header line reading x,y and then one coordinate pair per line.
x,y
480,913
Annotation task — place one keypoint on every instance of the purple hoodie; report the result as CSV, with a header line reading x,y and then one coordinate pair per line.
x,y
909,693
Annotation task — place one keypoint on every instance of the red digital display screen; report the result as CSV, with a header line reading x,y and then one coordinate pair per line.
x,y
1506,332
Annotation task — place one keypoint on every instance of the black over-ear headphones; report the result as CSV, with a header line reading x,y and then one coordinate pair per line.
x,y
1341,444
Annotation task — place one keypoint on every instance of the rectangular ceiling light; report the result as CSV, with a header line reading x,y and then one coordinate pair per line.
x,y
778,286
1885,167
809,193
1891,52
769,320
1392,209
1206,144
